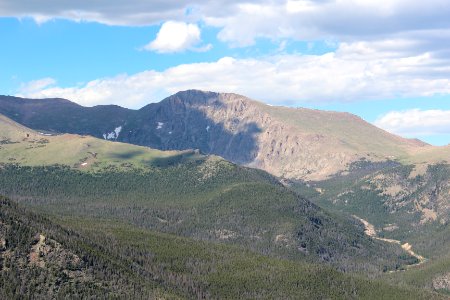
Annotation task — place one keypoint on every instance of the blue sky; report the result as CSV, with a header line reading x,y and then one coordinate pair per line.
x,y
388,61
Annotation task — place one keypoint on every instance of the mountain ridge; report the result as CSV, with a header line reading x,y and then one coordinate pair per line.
x,y
296,143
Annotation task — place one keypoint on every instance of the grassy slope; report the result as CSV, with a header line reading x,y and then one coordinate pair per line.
x,y
347,133
353,134
423,276
27,147
430,155
350,132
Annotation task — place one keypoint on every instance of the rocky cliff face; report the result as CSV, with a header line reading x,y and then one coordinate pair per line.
x,y
284,142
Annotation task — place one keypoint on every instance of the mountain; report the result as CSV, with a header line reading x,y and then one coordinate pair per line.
x,y
184,193
287,142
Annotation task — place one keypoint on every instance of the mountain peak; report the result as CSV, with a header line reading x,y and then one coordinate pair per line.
x,y
193,96
201,97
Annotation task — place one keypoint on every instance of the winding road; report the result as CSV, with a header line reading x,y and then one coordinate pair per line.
x,y
369,230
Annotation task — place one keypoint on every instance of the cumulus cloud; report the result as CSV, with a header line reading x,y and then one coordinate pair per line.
x,y
354,72
176,36
416,122
310,20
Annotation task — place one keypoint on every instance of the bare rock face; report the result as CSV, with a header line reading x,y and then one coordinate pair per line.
x,y
195,120
442,282
46,251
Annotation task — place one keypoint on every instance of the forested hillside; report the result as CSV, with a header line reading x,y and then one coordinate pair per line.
x,y
42,260
79,258
210,200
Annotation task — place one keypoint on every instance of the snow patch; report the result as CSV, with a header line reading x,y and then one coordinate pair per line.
x,y
46,134
207,128
84,164
113,135
117,131
160,125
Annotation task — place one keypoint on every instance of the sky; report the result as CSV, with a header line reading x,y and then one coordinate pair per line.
x,y
387,61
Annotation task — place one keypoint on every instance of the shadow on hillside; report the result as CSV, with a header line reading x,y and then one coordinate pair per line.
x,y
128,155
162,162
180,124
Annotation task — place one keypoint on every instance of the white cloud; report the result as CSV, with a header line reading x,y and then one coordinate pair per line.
x,y
37,85
176,36
381,30
298,6
346,20
355,72
416,122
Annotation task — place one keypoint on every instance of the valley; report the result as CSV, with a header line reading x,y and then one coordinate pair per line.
x,y
370,231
